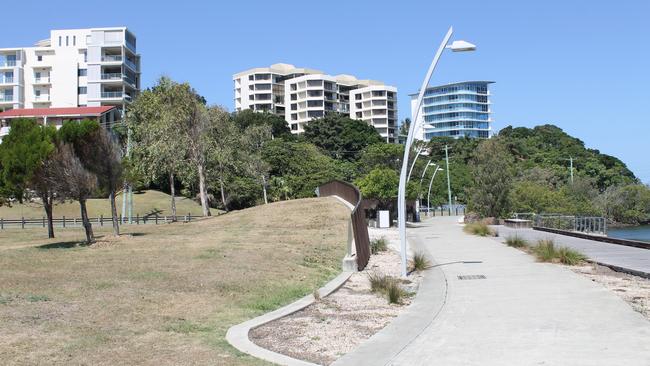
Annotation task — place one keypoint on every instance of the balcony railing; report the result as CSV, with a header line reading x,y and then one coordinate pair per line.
x,y
8,63
8,80
115,95
112,58
42,80
131,64
42,98
6,98
112,76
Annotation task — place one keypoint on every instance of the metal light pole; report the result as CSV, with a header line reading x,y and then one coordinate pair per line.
x,y
430,183
420,185
456,46
448,179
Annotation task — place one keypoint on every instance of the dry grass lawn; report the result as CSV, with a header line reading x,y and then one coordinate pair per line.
x,y
144,203
165,295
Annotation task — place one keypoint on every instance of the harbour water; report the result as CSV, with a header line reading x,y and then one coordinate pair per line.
x,y
641,233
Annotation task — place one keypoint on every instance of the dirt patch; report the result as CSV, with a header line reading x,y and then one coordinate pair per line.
x,y
633,289
337,324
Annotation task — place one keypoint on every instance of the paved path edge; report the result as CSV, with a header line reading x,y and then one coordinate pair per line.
x,y
384,346
237,335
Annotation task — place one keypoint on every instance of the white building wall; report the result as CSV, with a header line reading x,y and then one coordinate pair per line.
x,y
62,57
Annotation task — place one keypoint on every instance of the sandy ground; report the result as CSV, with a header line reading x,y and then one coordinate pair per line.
x,y
335,325
633,289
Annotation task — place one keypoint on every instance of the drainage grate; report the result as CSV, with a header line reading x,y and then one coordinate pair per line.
x,y
471,277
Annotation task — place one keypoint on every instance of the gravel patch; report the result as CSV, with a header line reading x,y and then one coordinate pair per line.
x,y
337,324
634,290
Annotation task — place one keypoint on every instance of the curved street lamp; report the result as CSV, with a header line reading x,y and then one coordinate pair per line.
x,y
456,46
430,183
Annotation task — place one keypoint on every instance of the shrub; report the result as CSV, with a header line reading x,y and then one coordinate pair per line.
x,y
545,250
516,242
395,293
420,262
569,256
378,245
478,228
379,282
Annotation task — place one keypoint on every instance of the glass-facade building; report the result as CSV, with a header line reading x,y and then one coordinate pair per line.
x,y
455,110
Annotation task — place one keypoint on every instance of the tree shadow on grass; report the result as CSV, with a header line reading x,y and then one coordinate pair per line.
x,y
63,245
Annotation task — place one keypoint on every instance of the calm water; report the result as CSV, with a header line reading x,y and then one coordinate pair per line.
x,y
633,233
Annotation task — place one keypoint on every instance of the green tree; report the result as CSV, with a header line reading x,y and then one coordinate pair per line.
x,y
158,147
341,137
247,118
381,155
25,157
301,165
491,168
100,154
70,179
626,204
380,184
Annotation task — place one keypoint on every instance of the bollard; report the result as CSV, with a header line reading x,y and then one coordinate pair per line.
x,y
22,221
101,220
156,219
43,221
137,219
2,224
63,221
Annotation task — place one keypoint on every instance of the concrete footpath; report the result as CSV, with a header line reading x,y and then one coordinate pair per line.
x,y
521,313
621,257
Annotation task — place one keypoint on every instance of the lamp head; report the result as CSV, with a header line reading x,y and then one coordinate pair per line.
x,y
461,46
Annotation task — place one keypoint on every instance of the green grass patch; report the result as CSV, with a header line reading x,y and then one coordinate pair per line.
x,y
149,275
420,262
36,298
395,293
387,286
378,245
516,242
545,250
276,297
478,228
184,326
210,254
570,256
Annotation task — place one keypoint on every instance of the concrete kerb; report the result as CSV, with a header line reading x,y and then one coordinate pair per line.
x,y
237,335
388,343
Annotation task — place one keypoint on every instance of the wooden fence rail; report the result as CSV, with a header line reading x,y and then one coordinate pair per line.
x,y
100,220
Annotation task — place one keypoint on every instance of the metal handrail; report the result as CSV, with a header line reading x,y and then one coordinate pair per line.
x,y
112,58
7,80
112,76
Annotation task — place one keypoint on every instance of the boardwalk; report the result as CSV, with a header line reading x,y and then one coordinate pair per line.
x,y
635,260
521,313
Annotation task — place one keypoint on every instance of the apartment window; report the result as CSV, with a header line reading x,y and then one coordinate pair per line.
x,y
294,107
83,90
357,96
314,103
67,41
74,40
85,56
293,87
39,58
251,77
37,93
294,116
82,72
59,41
294,126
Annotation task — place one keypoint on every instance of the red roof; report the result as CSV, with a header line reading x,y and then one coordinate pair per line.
x,y
57,112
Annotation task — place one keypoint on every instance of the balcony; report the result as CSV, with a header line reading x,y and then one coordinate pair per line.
x,y
6,98
112,76
131,64
115,95
7,80
8,63
42,98
42,80
112,58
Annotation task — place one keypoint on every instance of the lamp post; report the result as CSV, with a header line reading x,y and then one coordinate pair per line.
x,y
430,183
456,46
421,178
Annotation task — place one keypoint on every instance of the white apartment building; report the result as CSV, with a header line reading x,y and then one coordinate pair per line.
x,y
73,68
300,95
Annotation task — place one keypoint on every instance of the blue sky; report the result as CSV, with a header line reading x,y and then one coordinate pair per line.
x,y
582,65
